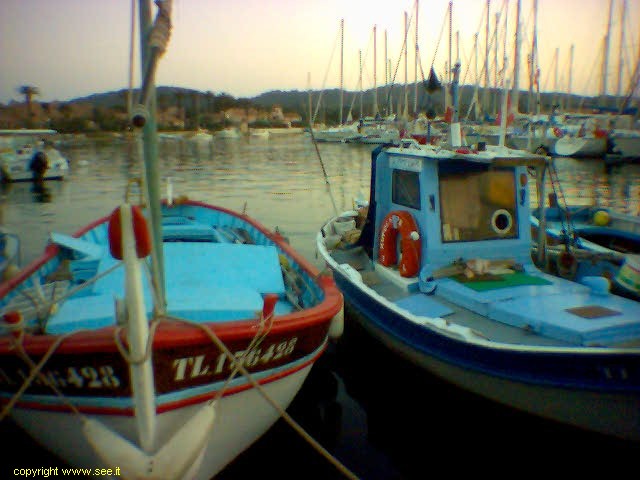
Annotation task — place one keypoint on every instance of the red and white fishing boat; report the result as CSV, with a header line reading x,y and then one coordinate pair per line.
x,y
172,374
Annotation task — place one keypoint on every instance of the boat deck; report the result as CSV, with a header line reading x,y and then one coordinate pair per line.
x,y
213,274
539,318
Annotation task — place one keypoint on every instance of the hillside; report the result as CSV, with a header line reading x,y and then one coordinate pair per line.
x,y
180,108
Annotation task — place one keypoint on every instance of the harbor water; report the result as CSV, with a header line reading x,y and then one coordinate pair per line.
x,y
380,416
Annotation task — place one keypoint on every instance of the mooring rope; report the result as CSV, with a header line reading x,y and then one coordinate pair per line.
x,y
254,383
35,372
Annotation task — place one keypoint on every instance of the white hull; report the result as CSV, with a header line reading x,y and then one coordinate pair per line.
x,y
15,167
580,147
233,430
336,135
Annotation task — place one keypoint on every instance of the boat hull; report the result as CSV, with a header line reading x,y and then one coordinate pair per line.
x,y
593,391
233,430
229,340
605,410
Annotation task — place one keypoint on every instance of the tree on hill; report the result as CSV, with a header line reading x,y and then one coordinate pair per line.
x,y
29,92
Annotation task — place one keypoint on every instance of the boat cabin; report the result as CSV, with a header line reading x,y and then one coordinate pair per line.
x,y
461,205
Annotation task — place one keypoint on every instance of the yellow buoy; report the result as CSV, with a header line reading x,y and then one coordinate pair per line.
x,y
601,218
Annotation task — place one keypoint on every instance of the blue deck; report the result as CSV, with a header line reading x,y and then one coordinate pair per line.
x,y
545,309
205,282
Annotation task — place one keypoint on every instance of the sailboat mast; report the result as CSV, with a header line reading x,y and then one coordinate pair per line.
x,y
495,61
450,40
386,74
375,73
607,43
415,84
623,12
515,93
310,102
406,67
485,95
152,168
360,79
570,75
341,66
533,59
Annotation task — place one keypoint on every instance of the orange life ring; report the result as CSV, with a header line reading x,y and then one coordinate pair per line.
x,y
400,222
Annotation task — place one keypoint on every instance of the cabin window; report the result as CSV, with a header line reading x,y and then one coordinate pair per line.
x,y
478,205
405,189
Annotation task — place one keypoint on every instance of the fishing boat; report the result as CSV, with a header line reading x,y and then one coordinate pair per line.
x,y
24,151
162,340
437,267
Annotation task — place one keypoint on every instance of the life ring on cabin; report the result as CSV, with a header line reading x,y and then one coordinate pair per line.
x,y
558,132
400,222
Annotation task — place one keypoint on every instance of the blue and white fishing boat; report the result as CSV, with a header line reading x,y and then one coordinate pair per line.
x,y
438,267
160,352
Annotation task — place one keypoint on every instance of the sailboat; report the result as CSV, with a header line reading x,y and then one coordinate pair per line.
x,y
160,352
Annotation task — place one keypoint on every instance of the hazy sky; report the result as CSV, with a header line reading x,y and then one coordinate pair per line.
x,y
72,48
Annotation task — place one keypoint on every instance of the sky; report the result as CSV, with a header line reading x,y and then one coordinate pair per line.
x,y
74,48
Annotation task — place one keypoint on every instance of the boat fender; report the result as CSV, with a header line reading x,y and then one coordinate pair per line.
x,y
336,328
140,232
39,164
601,218
400,222
13,321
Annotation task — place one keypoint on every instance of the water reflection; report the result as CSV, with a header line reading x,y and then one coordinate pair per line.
x,y
379,415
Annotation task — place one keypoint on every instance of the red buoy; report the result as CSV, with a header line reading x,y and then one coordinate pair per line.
x,y
140,233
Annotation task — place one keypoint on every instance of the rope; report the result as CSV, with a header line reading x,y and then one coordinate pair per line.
x,y
292,423
35,372
324,171
161,32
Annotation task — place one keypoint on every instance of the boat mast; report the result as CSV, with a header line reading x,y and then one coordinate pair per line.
x,y
386,74
152,167
496,66
449,66
415,85
515,94
570,75
623,12
360,80
310,102
406,68
607,43
534,48
341,66
375,72
485,102
555,78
